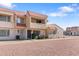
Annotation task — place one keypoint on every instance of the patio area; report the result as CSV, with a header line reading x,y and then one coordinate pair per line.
x,y
46,47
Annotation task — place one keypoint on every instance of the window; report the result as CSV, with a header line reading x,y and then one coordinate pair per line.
x,y
2,18
5,18
8,19
4,32
38,21
34,20
19,20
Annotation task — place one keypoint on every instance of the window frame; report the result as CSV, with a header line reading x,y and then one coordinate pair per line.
x,y
4,33
5,18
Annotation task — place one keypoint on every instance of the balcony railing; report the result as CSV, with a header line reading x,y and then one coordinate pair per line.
x,y
38,25
21,24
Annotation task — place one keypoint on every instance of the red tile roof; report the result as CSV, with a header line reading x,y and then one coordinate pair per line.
x,y
34,14
6,10
20,13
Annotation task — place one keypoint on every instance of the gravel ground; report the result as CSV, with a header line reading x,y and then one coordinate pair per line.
x,y
48,47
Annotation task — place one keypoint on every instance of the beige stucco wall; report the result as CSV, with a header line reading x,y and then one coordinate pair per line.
x,y
11,36
37,26
23,34
28,21
42,32
6,13
59,33
7,24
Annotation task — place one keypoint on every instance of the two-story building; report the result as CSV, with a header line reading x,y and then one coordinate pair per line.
x,y
72,31
54,31
24,24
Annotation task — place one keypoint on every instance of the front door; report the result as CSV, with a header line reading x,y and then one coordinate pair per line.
x,y
29,34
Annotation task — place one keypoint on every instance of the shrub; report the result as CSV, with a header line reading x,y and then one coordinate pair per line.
x,y
41,37
33,36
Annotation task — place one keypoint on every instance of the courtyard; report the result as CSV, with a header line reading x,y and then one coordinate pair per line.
x,y
68,46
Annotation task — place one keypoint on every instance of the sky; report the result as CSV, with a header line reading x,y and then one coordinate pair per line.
x,y
62,14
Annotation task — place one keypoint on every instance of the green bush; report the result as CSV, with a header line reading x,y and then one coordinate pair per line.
x,y
33,36
41,37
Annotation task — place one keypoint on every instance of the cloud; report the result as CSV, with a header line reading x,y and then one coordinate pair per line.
x,y
74,4
7,5
57,14
66,9
77,15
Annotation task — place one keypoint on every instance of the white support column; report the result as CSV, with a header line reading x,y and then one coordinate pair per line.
x,y
25,33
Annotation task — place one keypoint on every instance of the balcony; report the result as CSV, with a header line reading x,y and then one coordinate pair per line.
x,y
37,25
6,24
21,24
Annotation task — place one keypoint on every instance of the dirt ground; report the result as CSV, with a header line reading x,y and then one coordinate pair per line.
x,y
46,47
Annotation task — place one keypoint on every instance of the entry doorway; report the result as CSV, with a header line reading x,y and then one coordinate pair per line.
x,y
31,34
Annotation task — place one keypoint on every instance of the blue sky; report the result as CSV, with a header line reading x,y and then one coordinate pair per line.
x,y
62,14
